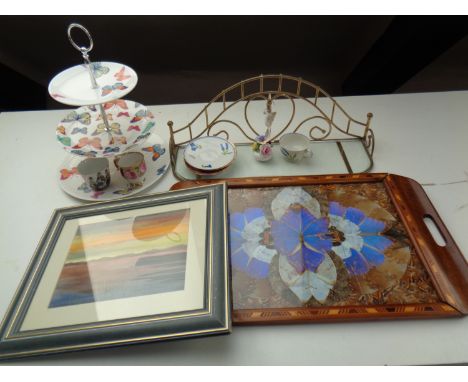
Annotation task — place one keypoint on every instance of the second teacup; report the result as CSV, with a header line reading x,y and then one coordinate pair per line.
x,y
132,166
95,172
295,146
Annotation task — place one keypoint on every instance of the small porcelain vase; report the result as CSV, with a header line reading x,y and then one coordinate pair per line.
x,y
262,151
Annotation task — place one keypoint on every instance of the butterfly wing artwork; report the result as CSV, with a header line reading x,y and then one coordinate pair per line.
x,y
123,114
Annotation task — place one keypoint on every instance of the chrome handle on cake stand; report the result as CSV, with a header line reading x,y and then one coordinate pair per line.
x,y
84,53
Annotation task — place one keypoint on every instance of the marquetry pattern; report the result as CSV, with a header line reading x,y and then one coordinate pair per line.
x,y
341,313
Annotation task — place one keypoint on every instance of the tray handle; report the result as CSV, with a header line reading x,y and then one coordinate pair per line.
x,y
446,264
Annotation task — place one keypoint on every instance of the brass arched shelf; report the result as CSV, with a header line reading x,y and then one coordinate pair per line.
x,y
340,142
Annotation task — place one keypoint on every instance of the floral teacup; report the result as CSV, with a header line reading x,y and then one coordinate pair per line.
x,y
132,166
95,172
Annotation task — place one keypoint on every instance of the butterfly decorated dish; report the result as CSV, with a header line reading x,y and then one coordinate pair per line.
x,y
83,132
209,154
156,160
73,86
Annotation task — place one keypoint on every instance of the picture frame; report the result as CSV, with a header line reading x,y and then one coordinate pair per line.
x,y
130,271
339,248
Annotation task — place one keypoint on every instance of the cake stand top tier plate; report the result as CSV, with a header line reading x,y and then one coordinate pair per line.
x,y
73,85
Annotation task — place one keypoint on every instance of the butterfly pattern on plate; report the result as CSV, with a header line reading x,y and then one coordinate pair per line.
x,y
130,187
97,194
148,127
82,130
118,141
121,76
90,154
85,141
61,130
161,170
194,146
122,104
141,114
110,150
66,141
65,173
110,88
109,116
157,151
84,187
84,118
134,127
101,128
123,114
142,137
98,69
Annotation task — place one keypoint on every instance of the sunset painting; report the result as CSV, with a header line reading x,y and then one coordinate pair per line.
x,y
124,258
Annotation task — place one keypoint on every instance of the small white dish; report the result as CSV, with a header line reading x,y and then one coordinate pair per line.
x,y
73,85
209,154
82,131
157,162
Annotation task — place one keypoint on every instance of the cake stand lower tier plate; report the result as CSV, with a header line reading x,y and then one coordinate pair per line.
x,y
82,132
156,153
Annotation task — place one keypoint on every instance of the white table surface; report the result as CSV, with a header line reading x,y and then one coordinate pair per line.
x,y
423,136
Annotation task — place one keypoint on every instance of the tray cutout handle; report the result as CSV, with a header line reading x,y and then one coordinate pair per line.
x,y
434,230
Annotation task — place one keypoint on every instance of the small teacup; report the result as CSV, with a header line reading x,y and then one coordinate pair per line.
x,y
132,166
295,146
95,172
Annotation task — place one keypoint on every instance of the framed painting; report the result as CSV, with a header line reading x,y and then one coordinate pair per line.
x,y
339,247
142,269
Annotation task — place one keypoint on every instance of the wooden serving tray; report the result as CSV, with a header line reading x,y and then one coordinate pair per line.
x,y
338,247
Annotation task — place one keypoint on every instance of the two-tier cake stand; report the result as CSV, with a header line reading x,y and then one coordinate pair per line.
x,y
105,125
